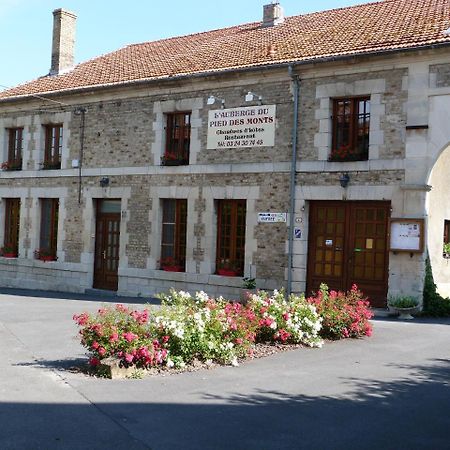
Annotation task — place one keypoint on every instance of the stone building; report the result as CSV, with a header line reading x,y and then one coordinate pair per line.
x,y
295,150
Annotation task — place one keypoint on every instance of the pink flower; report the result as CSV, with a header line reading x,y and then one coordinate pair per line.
x,y
101,351
140,317
97,328
95,345
94,361
128,358
114,337
129,336
81,319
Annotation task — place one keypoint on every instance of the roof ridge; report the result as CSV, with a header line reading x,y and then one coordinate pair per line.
x,y
257,22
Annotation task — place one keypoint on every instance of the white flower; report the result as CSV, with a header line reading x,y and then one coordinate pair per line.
x,y
184,294
273,325
201,297
234,362
170,363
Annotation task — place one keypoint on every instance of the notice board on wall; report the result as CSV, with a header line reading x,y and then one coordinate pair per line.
x,y
407,235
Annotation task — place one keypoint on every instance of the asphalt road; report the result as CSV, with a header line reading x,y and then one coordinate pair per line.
x,y
390,391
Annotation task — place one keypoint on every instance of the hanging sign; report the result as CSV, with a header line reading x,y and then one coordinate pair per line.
x,y
407,235
268,217
250,126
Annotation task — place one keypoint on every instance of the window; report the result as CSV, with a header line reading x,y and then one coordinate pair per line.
x,y
12,222
231,237
178,138
49,229
351,118
173,242
14,161
53,146
446,246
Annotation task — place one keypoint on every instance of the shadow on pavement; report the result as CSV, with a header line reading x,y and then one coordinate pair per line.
x,y
416,321
408,413
100,297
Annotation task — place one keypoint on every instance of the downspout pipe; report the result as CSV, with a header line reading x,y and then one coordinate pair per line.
x,y
296,93
81,112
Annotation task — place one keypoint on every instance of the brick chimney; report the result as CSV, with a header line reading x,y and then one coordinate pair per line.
x,y
273,15
63,44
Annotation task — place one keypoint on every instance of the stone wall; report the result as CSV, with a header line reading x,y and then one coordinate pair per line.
x,y
440,75
124,140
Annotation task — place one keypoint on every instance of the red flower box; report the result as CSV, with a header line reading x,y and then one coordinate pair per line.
x,y
9,255
47,258
173,268
227,272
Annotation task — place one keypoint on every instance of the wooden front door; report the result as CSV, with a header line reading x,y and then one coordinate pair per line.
x,y
107,238
348,244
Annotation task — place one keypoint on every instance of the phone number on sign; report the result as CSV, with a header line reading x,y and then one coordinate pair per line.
x,y
241,143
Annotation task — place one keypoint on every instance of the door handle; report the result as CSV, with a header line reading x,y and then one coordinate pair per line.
x,y
104,254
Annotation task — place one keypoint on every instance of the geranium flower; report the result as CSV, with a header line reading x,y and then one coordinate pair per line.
x,y
129,336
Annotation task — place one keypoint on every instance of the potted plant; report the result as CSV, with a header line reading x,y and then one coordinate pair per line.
x,y
446,250
171,264
9,251
228,268
404,305
172,159
248,288
44,254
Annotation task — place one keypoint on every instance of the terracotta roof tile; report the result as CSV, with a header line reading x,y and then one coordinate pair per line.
x,y
372,27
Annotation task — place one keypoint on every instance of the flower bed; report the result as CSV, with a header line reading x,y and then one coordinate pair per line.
x,y
188,329
345,314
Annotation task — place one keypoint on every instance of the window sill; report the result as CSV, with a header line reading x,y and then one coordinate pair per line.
x,y
347,159
228,273
175,163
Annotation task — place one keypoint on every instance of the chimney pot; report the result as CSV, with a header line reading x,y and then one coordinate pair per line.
x,y
63,43
273,14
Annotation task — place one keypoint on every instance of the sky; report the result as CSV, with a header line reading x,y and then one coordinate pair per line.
x,y
107,25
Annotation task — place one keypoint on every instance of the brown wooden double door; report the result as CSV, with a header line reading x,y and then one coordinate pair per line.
x,y
107,239
348,244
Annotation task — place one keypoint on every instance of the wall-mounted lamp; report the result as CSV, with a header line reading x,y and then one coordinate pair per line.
x,y
252,96
213,99
344,179
79,110
104,182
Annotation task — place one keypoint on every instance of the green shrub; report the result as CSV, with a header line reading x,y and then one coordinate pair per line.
x,y
433,304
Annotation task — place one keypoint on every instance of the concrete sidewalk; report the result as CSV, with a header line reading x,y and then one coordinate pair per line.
x,y
390,391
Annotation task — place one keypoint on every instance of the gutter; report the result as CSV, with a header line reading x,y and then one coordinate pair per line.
x,y
296,85
281,65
